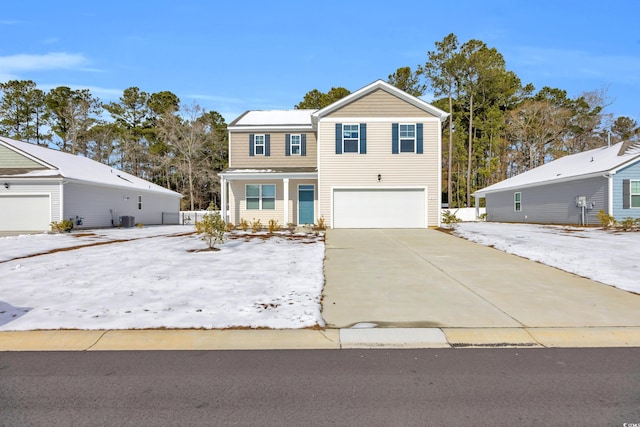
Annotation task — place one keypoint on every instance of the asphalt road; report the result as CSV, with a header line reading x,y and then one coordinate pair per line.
x,y
572,387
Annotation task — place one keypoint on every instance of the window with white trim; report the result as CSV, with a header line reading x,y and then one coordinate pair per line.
x,y
139,203
296,145
260,196
351,138
258,145
407,134
517,201
635,193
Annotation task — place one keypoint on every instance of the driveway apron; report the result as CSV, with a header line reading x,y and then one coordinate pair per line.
x,y
426,278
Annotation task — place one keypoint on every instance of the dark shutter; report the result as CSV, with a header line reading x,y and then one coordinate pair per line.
x,y
267,145
626,194
287,144
303,144
394,138
338,138
419,144
363,138
251,144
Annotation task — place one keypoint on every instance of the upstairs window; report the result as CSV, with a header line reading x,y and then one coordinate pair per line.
x,y
517,201
296,145
350,138
259,145
407,138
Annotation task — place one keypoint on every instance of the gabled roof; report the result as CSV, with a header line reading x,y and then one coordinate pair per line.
x,y
57,164
380,85
598,161
273,118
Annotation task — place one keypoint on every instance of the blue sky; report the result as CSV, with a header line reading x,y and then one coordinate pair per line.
x,y
234,56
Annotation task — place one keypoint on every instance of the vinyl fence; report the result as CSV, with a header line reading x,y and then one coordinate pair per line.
x,y
466,214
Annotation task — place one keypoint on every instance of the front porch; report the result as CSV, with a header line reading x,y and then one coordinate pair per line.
x,y
288,195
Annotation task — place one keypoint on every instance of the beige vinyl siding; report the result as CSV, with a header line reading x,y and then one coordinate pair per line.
x,y
379,104
237,201
397,170
238,206
11,159
239,156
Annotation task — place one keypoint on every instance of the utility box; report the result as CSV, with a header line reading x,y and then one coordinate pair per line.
x,y
127,221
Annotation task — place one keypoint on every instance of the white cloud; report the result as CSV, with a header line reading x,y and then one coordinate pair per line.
x,y
27,62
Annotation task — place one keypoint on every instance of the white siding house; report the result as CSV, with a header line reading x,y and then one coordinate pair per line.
x,y
39,185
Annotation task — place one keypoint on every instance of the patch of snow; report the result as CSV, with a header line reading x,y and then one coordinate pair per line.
x,y
609,257
153,279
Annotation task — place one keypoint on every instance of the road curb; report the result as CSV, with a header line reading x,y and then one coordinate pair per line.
x,y
393,338
315,339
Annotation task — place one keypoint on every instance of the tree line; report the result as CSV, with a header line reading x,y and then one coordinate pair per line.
x,y
150,135
498,127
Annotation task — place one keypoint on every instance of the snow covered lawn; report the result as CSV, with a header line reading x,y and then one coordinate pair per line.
x,y
610,257
152,278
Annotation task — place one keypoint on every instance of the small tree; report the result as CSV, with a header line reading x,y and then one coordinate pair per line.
x,y
212,228
450,219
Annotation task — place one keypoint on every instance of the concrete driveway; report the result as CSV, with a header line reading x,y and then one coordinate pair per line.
x,y
426,278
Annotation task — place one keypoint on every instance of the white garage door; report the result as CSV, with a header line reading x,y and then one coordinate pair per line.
x,y
24,213
379,208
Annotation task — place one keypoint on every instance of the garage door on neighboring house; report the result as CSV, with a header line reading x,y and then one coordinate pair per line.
x,y
379,208
25,212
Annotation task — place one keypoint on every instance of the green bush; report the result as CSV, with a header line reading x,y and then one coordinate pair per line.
x,y
212,228
64,226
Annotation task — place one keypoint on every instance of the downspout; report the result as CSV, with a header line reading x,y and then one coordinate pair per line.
x,y
609,177
223,199
61,213
285,188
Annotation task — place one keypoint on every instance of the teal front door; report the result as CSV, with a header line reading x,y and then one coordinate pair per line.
x,y
305,204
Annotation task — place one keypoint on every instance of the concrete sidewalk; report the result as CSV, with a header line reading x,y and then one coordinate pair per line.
x,y
409,289
300,339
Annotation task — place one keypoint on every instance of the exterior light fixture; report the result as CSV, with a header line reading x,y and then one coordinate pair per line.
x,y
6,185
379,177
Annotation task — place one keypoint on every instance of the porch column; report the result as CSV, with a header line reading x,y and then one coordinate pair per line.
x,y
285,183
477,207
223,199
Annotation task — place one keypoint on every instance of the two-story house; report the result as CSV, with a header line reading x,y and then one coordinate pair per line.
x,y
369,160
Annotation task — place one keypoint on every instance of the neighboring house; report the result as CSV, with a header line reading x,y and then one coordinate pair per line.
x,y
369,160
571,189
39,185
